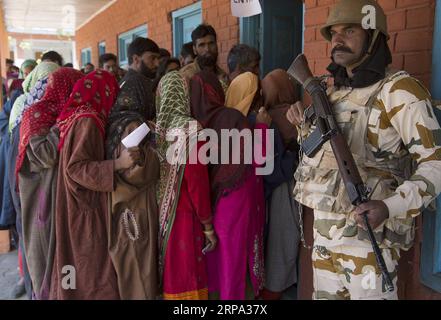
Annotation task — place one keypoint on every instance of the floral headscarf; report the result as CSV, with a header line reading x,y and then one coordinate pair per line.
x,y
92,97
41,116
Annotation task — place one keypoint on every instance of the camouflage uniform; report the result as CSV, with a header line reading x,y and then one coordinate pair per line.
x,y
395,138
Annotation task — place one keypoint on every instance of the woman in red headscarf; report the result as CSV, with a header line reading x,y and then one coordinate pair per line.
x,y
82,268
37,167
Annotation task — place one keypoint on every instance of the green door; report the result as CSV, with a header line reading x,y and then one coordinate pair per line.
x,y
277,33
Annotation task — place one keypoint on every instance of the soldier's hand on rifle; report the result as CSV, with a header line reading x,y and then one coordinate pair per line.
x,y
376,211
295,113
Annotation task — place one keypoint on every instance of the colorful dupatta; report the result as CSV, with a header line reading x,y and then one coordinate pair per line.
x,y
92,97
37,76
41,116
173,120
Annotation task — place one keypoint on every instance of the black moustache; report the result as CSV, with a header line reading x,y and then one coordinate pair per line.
x,y
341,49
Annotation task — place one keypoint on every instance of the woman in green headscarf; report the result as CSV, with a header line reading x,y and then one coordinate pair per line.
x,y
27,67
25,70
40,73
35,79
185,210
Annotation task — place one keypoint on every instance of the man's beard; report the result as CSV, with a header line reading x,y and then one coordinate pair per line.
x,y
147,72
207,61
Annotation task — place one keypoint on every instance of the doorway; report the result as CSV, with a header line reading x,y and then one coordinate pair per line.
x,y
277,33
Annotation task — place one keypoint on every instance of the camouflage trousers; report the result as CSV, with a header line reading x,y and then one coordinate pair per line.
x,y
351,273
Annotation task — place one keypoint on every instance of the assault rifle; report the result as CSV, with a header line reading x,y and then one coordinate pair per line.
x,y
328,130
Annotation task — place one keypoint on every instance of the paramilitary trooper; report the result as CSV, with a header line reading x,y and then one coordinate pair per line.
x,y
389,123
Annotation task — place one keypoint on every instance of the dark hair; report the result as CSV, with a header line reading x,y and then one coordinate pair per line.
x,y
164,65
53,56
9,61
162,70
202,31
164,53
141,45
107,57
187,50
90,64
241,55
68,65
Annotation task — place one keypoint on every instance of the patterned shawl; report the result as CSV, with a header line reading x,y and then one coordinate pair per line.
x,y
136,94
41,72
92,97
173,119
41,116
35,95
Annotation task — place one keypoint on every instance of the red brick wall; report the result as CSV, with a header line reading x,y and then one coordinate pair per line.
x,y
410,26
125,15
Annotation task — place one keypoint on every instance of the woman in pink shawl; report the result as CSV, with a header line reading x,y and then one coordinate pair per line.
x,y
237,195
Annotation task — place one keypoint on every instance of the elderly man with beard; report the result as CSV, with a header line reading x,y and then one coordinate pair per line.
x,y
137,87
389,124
205,48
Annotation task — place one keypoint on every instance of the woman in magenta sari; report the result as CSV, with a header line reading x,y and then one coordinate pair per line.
x,y
237,196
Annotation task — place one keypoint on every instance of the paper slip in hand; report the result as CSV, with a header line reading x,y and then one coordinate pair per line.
x,y
245,8
135,138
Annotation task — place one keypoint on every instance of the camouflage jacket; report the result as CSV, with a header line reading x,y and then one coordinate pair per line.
x,y
396,142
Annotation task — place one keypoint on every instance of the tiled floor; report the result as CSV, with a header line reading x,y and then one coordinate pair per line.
x,y
9,277
8,274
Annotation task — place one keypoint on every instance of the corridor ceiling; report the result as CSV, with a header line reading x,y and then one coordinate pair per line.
x,y
56,17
